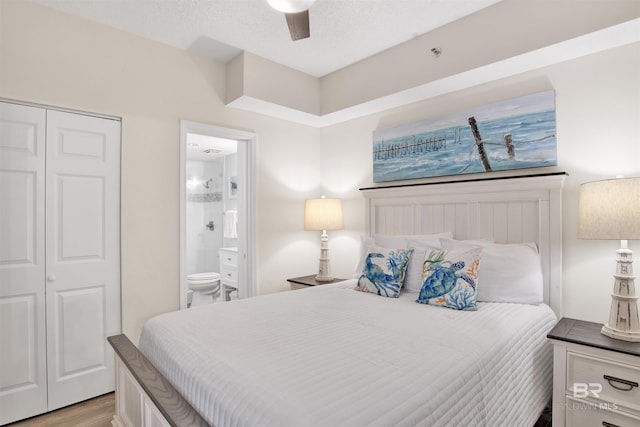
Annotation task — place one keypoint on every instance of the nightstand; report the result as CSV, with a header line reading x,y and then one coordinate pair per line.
x,y
596,379
306,281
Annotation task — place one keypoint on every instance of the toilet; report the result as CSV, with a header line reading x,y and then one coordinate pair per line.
x,y
204,286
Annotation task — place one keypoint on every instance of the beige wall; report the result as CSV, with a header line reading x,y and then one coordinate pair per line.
x,y
54,59
58,60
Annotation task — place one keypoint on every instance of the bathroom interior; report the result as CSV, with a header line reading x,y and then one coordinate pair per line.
x,y
211,219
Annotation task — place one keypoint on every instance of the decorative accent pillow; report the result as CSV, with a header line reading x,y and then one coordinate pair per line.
x,y
511,272
413,279
450,278
383,271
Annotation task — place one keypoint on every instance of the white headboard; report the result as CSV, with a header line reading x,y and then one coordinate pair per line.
x,y
507,210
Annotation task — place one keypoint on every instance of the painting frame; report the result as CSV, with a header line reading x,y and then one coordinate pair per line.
x,y
232,187
517,133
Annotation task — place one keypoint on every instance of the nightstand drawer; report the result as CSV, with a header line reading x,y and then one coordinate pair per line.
x,y
620,383
584,414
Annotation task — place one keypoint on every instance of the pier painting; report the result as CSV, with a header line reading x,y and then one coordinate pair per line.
x,y
518,133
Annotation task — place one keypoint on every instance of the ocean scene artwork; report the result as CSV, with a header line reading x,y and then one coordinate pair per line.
x,y
518,133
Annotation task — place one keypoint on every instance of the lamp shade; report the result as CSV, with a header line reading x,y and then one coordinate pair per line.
x,y
610,209
323,214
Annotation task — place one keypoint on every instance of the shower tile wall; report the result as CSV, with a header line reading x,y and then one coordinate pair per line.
x,y
204,205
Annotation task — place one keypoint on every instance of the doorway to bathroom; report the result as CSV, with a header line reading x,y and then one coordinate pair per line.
x,y
216,221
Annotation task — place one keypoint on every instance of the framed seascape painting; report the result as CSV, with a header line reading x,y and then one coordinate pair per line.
x,y
518,133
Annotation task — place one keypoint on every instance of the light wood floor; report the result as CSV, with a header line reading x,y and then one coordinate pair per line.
x,y
97,412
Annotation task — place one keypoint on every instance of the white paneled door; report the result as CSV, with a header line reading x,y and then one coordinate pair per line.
x,y
83,255
60,219
23,371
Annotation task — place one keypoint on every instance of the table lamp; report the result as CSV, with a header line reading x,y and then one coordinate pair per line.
x,y
610,209
323,214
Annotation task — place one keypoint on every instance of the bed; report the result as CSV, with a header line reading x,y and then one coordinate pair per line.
x,y
333,356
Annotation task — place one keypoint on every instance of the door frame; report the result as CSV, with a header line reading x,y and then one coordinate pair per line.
x,y
246,202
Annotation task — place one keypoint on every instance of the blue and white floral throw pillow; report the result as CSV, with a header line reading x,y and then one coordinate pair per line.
x,y
384,270
450,278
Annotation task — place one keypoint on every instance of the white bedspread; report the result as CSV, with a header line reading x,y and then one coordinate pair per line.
x,y
331,356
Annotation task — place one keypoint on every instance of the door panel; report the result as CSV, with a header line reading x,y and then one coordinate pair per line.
x,y
18,222
81,212
23,387
84,143
83,255
80,351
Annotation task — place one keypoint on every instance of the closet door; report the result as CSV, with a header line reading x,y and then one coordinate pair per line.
x,y
23,382
83,255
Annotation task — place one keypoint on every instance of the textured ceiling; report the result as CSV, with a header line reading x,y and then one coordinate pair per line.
x,y
342,31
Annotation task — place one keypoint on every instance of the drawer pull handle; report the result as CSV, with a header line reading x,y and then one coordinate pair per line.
x,y
606,424
629,384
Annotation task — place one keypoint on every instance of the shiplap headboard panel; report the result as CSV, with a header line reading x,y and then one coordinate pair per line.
x,y
507,210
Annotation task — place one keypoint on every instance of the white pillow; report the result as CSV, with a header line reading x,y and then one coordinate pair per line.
x,y
395,242
510,272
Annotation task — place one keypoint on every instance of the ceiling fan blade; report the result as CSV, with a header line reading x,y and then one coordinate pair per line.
x,y
298,25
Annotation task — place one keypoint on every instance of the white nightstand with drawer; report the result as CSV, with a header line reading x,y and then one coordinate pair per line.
x,y
596,379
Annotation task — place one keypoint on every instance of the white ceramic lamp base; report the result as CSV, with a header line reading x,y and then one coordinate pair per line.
x,y
324,268
623,318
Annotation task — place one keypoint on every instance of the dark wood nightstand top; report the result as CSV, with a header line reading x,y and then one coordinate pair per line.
x,y
588,333
311,280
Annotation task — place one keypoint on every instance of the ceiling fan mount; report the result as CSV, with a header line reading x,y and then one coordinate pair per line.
x,y
297,15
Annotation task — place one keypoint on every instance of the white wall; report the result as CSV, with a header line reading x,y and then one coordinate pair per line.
x,y
598,128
